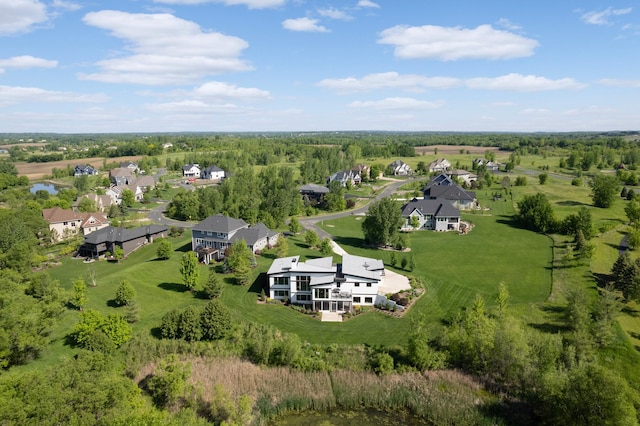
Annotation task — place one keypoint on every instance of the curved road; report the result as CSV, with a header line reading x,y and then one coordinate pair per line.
x,y
157,213
311,222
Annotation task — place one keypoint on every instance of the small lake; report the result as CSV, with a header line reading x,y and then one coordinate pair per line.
x,y
347,418
50,188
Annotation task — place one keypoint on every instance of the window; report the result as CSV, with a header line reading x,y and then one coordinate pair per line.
x,y
65,223
321,293
356,284
280,280
303,297
368,284
356,299
303,283
368,300
281,293
338,285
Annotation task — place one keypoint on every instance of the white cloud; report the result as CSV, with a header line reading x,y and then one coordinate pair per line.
x,y
66,5
396,104
367,3
220,90
15,95
166,50
303,24
193,106
377,81
601,17
18,16
335,14
619,83
522,83
505,23
251,4
27,61
454,43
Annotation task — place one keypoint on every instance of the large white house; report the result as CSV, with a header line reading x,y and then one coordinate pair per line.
x,y
325,286
438,215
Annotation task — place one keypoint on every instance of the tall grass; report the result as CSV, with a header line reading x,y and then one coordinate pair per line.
x,y
436,397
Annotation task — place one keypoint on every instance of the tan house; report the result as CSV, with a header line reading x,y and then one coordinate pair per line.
x,y
65,224
102,202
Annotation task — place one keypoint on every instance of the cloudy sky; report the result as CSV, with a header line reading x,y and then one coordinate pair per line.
x,y
74,66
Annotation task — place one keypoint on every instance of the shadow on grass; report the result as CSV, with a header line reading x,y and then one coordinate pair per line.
x,y
112,303
156,332
631,312
510,221
571,203
510,411
185,248
179,288
550,328
349,241
259,284
602,280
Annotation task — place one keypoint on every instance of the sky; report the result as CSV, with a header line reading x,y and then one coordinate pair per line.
x,y
75,66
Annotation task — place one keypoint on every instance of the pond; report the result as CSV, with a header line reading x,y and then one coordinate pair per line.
x,y
347,418
50,188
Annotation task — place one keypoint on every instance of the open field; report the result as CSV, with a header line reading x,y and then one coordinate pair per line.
x,y
35,171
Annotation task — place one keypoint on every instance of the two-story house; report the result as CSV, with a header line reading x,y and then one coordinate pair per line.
x,y
211,237
439,165
65,224
325,286
213,173
437,215
399,168
121,176
84,169
345,177
191,170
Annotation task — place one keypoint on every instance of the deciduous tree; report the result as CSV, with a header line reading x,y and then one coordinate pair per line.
x,y
165,248
604,189
190,270
125,293
536,213
382,222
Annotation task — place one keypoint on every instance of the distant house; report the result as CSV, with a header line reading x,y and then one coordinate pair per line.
x,y
191,170
491,166
65,224
399,168
105,240
457,196
84,169
213,173
345,177
437,215
131,166
363,170
116,191
324,286
211,237
144,182
102,202
167,145
439,165
462,175
121,176
313,194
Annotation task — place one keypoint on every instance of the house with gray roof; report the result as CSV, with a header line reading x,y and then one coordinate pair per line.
x,y
213,173
324,286
99,243
212,236
443,186
437,215
84,169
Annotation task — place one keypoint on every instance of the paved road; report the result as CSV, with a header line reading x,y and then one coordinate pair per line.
x,y
311,222
157,213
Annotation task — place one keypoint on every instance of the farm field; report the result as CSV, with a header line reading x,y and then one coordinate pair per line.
x,y
35,171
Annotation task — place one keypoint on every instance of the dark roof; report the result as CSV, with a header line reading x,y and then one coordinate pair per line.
x,y
437,208
121,235
313,188
441,179
221,223
253,234
450,193
189,166
213,168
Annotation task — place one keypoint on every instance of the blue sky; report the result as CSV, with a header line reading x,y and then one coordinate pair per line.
x,y
74,66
